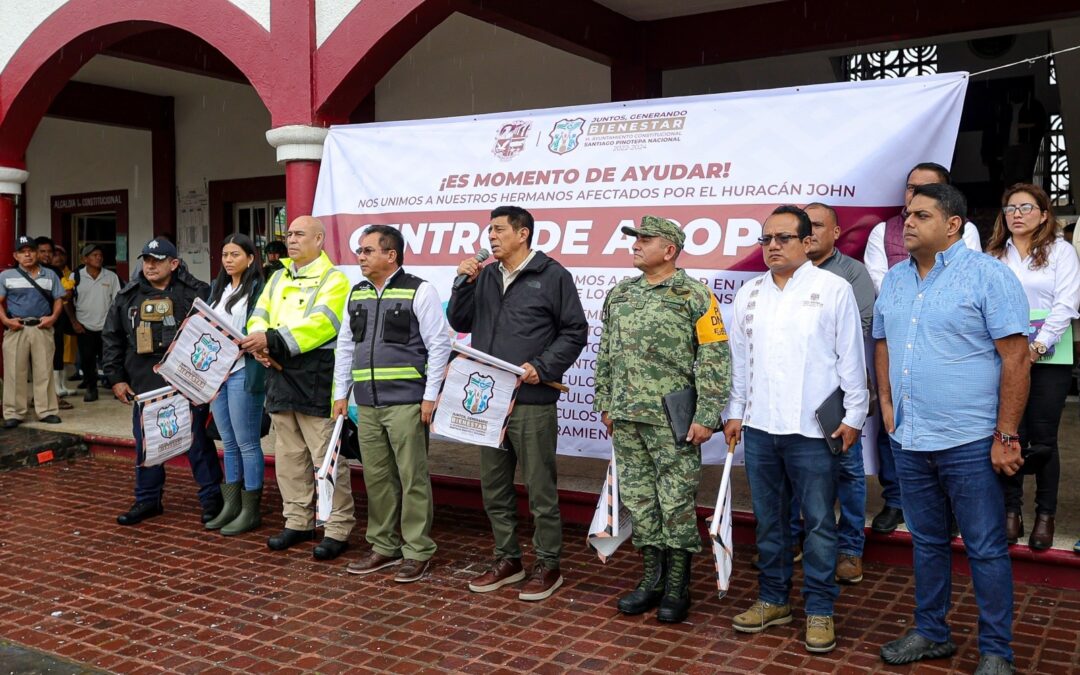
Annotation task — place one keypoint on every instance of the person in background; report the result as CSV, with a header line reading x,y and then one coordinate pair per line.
x,y
884,249
46,251
1026,239
238,408
143,321
31,300
95,288
274,251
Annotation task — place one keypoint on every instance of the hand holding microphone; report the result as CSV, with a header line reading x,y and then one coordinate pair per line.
x,y
469,268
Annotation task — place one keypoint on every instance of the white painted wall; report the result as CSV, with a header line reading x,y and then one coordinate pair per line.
x,y
73,157
328,16
19,18
466,67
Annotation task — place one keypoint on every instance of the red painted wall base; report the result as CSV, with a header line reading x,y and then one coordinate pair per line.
x,y
1057,568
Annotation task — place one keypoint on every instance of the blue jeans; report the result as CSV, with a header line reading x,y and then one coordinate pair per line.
x,y
779,466
238,415
150,480
890,486
964,477
851,493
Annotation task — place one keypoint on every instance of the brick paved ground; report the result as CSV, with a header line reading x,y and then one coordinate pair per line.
x,y
168,597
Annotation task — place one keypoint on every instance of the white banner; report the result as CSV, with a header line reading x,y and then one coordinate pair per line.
x,y
326,474
611,524
166,425
203,354
476,399
716,164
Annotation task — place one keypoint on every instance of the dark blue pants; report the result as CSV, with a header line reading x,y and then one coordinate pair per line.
x,y
150,480
890,486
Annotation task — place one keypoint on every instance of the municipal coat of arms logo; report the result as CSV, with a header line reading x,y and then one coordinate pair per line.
x,y
166,421
564,135
510,140
205,352
478,393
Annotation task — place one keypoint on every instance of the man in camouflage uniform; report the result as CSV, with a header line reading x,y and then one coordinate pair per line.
x,y
662,333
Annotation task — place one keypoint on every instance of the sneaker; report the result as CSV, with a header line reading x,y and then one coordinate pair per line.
x,y
849,569
504,571
820,634
372,562
991,664
914,647
541,585
760,616
411,570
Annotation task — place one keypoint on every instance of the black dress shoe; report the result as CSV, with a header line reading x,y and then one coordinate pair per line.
x,y
139,512
287,538
328,549
90,396
211,509
914,647
887,521
12,423
50,419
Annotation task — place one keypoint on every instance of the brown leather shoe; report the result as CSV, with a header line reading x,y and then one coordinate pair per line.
x,y
1014,526
541,584
372,562
411,570
849,569
1042,535
504,571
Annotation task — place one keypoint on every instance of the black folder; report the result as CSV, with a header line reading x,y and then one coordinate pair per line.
x,y
829,416
679,406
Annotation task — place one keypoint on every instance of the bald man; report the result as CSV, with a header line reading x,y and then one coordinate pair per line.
x,y
295,325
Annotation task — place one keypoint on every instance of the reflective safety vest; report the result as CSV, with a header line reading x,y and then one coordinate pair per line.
x,y
305,309
389,365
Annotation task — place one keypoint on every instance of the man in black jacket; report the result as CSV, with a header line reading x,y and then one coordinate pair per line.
x,y
143,320
526,310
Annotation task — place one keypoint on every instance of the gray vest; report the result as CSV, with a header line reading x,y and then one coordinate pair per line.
x,y
389,364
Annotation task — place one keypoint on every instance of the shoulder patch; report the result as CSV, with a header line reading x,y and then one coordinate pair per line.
x,y
710,327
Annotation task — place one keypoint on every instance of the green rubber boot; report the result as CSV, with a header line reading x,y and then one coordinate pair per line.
x,y
250,516
230,494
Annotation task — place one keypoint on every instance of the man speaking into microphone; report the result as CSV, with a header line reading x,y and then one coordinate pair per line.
x,y
524,309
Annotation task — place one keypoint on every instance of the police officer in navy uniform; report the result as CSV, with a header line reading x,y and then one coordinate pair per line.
x,y
143,320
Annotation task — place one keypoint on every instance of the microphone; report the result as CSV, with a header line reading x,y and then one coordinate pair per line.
x,y
460,279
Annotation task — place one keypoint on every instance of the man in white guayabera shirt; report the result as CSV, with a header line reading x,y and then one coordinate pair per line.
x,y
796,338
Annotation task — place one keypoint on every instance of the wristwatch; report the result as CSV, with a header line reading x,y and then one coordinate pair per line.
x,y
1006,439
1038,348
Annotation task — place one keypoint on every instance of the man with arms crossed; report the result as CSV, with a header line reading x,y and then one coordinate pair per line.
x,y
524,309
953,373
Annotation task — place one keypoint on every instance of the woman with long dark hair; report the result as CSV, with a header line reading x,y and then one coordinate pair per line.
x,y
1027,238
238,407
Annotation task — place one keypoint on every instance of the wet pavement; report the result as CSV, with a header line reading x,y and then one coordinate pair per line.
x,y
167,596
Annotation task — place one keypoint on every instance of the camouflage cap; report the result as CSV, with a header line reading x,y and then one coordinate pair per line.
x,y
654,226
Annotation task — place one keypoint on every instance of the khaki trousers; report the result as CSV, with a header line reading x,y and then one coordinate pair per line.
x,y
394,449
29,351
298,452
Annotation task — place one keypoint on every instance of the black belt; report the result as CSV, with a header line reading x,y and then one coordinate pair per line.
x,y
28,320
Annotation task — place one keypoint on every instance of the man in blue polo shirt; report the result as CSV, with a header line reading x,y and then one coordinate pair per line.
x,y
952,366
30,303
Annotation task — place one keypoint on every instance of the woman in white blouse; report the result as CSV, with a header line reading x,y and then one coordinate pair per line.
x,y
238,408
1027,238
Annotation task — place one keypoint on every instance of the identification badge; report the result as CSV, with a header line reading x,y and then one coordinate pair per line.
x,y
156,309
144,339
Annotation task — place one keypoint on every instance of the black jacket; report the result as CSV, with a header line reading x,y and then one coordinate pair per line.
x,y
121,363
539,320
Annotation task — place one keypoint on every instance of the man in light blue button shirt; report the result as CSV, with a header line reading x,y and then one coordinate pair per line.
x,y
952,366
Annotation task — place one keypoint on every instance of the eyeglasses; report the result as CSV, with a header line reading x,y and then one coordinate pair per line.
x,y
767,239
1024,209
370,251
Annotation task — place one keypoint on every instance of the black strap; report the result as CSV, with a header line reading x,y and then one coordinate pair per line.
x,y
49,299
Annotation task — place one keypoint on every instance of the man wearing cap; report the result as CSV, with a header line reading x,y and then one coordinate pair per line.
x,y
525,310
274,252
662,333
31,299
142,322
392,353
95,290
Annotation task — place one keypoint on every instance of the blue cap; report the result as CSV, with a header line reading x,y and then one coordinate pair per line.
x,y
24,241
159,248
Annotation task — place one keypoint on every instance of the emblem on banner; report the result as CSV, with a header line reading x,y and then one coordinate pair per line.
x,y
564,135
511,139
478,393
205,352
166,421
